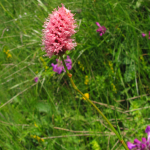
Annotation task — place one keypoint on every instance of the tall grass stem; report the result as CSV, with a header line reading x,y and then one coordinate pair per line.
x,y
75,87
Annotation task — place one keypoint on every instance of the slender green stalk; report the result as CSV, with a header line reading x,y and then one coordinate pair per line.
x,y
6,11
111,126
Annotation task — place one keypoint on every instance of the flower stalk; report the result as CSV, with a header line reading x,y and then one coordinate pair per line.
x,y
104,117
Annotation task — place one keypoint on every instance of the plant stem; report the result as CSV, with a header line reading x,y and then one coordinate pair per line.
x,y
111,126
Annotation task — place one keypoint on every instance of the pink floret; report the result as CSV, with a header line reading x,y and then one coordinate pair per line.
x,y
59,27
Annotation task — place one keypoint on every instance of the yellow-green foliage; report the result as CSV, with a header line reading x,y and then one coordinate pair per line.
x,y
95,145
44,64
81,65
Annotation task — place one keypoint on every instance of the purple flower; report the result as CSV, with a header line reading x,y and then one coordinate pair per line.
x,y
59,66
36,79
141,145
101,29
148,133
143,34
130,145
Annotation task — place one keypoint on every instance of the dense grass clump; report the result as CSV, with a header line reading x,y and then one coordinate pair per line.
x,y
113,69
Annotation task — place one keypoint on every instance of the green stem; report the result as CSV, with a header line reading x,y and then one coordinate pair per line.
x,y
111,126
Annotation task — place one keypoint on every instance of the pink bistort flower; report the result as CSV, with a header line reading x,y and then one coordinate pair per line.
x,y
59,27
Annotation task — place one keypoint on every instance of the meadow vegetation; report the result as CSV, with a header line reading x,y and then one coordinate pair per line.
x,y
112,69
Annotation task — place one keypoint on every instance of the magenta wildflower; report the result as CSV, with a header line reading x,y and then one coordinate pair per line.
x,y
143,34
36,79
141,145
101,29
59,27
59,66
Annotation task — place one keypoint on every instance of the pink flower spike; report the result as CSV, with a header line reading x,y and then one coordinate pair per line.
x,y
143,35
59,27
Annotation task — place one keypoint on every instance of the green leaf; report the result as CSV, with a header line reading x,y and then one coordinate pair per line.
x,y
43,107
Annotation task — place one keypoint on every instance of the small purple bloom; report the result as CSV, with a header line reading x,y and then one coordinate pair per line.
x,y
144,139
59,66
138,145
97,23
68,63
136,141
143,34
101,29
36,79
130,145
148,133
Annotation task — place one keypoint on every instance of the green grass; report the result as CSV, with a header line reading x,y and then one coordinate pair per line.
x,y
116,66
